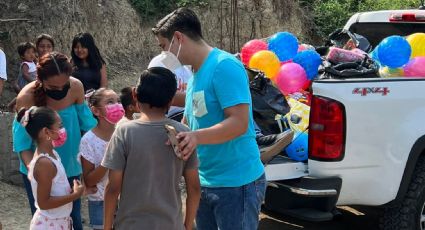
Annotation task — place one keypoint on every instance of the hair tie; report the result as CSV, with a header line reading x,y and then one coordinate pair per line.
x,y
26,118
89,93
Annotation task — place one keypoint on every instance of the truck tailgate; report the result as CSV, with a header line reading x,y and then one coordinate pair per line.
x,y
283,168
384,118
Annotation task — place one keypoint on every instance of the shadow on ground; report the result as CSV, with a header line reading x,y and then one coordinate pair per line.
x,y
352,218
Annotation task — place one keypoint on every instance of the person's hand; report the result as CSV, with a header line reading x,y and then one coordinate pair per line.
x,y
188,141
78,188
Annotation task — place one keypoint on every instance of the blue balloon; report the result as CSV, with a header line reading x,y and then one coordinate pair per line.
x,y
298,149
394,51
310,60
375,57
284,45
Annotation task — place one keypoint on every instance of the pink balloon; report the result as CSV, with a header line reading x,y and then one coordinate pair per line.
x,y
250,48
291,78
301,47
415,67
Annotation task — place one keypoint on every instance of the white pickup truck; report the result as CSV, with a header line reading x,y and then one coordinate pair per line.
x,y
366,141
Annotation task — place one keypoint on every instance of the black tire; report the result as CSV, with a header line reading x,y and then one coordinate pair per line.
x,y
407,215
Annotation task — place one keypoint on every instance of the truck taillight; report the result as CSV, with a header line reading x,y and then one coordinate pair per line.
x,y
326,130
407,17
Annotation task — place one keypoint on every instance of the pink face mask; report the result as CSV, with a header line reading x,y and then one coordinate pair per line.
x,y
114,113
61,139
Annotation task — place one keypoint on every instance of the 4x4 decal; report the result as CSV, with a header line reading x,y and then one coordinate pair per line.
x,y
384,91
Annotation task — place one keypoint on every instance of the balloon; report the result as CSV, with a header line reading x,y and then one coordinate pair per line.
x,y
284,45
374,55
265,61
301,48
389,72
310,60
291,78
298,149
284,62
417,42
307,85
415,67
302,96
299,115
394,51
250,48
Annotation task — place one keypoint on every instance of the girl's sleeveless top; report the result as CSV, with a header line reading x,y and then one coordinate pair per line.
x,y
60,187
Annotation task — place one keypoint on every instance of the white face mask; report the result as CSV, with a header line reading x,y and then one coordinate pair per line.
x,y
167,59
170,61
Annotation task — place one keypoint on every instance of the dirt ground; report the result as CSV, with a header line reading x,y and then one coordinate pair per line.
x,y
15,215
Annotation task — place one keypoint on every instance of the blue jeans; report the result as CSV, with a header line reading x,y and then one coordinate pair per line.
x,y
30,196
96,214
235,208
76,208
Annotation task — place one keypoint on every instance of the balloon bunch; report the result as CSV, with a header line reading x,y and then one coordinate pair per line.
x,y
290,66
399,56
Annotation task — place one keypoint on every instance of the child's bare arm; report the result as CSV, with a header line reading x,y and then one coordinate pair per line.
x,y
92,175
193,188
179,99
112,190
26,74
44,172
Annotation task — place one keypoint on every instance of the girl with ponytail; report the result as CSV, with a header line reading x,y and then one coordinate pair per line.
x,y
55,89
50,187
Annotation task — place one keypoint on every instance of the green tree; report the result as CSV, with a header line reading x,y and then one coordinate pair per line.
x,y
333,14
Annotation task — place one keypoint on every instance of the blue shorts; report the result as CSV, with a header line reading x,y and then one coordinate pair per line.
x,y
96,214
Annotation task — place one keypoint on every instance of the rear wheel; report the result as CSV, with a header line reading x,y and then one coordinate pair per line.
x,y
410,214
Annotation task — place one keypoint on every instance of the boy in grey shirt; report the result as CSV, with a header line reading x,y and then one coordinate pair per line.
x,y
143,170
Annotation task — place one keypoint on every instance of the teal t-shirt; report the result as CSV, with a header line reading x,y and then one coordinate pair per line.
x,y
220,83
75,118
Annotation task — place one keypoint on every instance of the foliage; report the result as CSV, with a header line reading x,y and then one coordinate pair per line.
x,y
332,14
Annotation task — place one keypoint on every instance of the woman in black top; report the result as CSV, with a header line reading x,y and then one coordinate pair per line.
x,y
89,66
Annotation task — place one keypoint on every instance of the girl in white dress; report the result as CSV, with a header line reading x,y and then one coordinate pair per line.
x,y
52,193
105,106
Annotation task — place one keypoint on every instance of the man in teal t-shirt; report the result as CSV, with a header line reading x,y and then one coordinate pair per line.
x,y
218,111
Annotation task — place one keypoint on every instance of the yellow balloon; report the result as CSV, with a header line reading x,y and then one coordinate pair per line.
x,y
267,62
417,42
390,72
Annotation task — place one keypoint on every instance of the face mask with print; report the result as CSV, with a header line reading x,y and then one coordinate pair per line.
x,y
114,113
61,139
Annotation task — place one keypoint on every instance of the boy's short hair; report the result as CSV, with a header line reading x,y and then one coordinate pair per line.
x,y
183,20
126,97
24,46
156,87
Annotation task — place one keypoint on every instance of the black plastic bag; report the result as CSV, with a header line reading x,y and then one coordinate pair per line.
x,y
267,102
366,69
